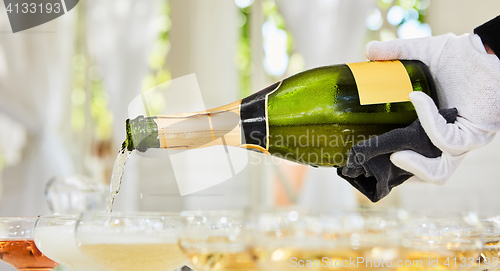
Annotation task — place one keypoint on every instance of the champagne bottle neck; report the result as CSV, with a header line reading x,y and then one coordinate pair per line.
x,y
218,126
199,130
142,134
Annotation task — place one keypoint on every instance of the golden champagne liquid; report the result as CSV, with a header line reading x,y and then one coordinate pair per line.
x,y
24,256
218,253
222,261
440,260
360,259
135,257
490,256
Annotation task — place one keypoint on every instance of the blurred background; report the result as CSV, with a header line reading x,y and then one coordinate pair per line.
x,y
65,87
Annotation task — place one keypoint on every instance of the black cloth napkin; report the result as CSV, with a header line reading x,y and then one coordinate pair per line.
x,y
488,32
369,168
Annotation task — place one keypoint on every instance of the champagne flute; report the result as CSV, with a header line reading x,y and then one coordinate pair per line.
x,y
55,237
17,246
216,240
442,241
131,241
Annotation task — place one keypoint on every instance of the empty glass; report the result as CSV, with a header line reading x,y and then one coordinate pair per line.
x,y
75,194
55,237
18,248
131,242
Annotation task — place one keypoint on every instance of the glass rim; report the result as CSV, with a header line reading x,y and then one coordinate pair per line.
x,y
323,212
19,218
440,213
227,212
471,217
135,214
391,213
495,219
368,211
17,239
281,211
62,216
55,220
272,209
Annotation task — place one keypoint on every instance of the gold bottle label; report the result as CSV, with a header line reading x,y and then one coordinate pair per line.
x,y
381,82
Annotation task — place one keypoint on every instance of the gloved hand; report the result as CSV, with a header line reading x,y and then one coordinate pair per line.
x,y
467,78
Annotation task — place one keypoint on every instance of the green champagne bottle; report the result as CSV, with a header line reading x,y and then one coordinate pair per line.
x,y
313,117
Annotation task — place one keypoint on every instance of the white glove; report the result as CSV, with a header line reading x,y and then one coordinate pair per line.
x,y
466,78
435,170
